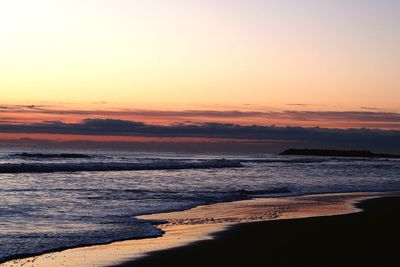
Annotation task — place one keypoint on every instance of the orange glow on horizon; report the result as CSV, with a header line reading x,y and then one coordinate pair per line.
x,y
111,138
293,115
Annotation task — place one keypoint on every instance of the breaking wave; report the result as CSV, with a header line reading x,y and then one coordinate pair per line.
x,y
116,166
56,156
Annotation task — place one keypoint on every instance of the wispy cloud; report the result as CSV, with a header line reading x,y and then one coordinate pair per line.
x,y
297,104
369,117
371,108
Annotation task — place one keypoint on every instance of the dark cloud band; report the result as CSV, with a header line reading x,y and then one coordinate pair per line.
x,y
316,135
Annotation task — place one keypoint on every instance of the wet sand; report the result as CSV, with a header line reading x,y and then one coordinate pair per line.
x,y
209,226
368,238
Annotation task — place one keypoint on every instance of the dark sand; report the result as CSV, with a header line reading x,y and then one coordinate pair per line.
x,y
368,238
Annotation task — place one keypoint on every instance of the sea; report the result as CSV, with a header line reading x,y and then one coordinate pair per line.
x,y
52,199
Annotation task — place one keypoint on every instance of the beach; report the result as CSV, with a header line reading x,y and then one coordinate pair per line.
x,y
368,238
281,230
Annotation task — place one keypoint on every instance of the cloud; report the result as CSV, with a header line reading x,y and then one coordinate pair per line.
x,y
297,104
371,108
13,108
365,116
369,117
286,136
311,115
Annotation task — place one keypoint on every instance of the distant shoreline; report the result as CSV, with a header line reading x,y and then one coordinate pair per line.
x,y
335,153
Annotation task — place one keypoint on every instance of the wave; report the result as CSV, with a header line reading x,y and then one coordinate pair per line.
x,y
300,160
272,191
116,166
46,156
190,196
310,160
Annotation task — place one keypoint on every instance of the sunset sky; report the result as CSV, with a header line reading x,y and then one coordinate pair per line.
x,y
326,63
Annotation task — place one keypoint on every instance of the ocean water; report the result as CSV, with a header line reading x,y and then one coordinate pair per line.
x,y
53,199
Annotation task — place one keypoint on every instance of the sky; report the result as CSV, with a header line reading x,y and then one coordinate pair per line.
x,y
312,63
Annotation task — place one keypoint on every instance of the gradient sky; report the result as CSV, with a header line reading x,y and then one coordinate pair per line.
x,y
170,52
105,56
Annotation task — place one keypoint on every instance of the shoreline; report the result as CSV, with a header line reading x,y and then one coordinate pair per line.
x,y
367,238
202,223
